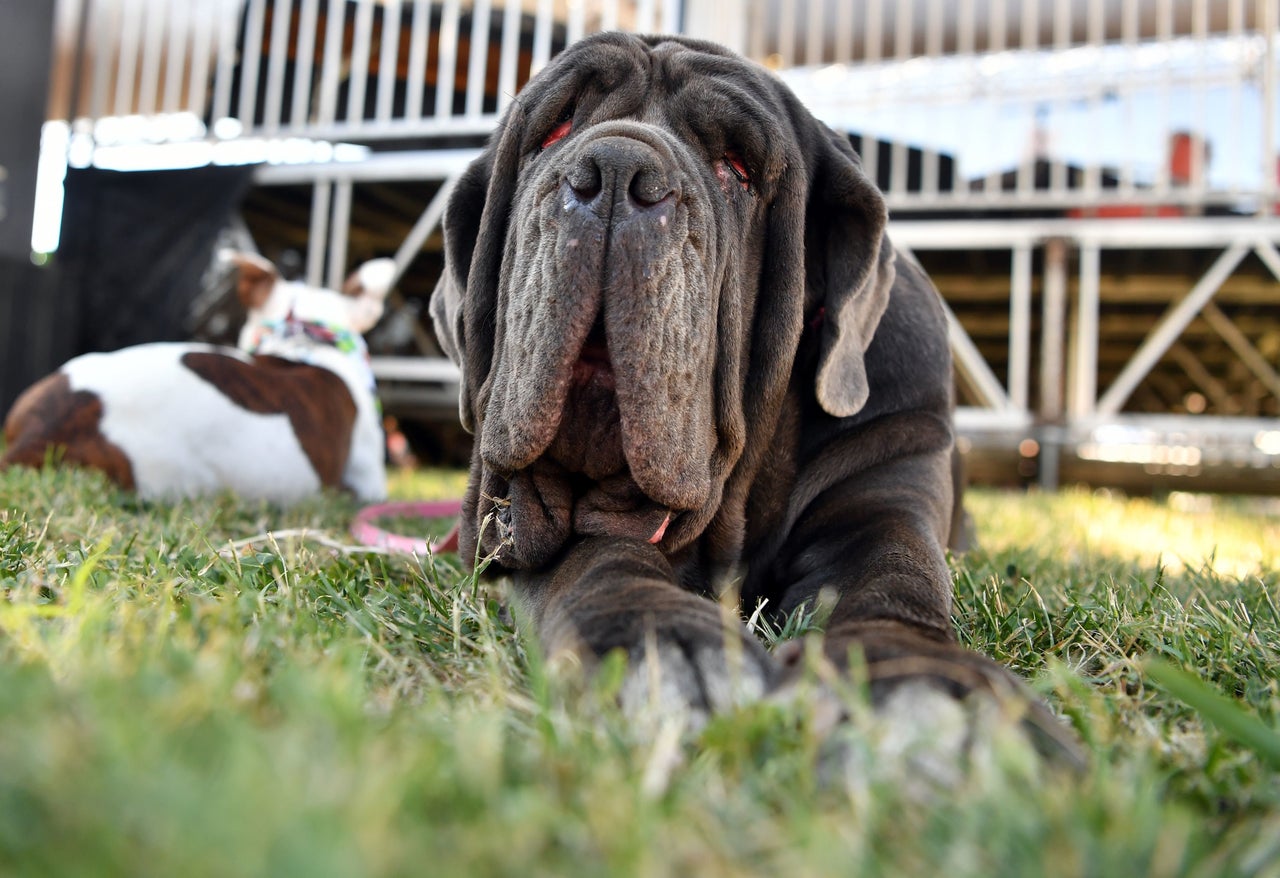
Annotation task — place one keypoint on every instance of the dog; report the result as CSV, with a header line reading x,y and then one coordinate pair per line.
x,y
289,412
692,361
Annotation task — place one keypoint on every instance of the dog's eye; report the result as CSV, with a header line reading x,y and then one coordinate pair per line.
x,y
738,167
558,133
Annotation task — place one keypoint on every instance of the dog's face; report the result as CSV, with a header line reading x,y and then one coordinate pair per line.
x,y
630,267
270,300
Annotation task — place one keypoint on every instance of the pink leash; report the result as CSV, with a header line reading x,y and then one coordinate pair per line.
x,y
369,534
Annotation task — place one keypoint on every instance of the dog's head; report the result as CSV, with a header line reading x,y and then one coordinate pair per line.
x,y
630,266
278,308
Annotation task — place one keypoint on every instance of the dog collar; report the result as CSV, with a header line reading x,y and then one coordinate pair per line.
x,y
297,340
291,328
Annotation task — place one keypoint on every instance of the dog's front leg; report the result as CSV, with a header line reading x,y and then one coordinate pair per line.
x,y
684,656
873,542
871,546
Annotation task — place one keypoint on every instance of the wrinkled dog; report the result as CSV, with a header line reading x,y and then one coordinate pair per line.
x,y
690,355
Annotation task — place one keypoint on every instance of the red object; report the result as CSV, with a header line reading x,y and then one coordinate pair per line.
x,y
1181,148
1124,211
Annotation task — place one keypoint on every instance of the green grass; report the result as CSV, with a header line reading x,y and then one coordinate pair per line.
x,y
170,706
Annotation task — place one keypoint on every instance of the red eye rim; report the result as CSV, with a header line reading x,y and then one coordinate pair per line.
x,y
738,167
557,133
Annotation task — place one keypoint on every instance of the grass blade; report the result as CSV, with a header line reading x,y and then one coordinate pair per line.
x,y
1230,718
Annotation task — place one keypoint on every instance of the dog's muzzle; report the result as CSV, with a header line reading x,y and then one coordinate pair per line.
x,y
602,371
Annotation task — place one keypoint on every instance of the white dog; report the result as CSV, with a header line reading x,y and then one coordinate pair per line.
x,y
289,412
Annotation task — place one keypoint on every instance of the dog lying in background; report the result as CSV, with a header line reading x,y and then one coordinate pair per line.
x,y
290,412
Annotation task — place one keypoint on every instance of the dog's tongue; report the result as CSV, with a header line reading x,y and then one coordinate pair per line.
x,y
617,507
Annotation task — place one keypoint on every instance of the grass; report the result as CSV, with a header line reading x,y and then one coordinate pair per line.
x,y
171,706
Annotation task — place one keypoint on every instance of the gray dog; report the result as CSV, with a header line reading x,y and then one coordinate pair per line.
x,y
692,359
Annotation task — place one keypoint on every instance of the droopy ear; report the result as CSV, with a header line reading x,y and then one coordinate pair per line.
x,y
256,277
849,265
367,287
475,228
373,278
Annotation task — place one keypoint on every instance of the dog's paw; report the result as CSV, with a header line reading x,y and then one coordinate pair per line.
x,y
938,701
925,745
689,674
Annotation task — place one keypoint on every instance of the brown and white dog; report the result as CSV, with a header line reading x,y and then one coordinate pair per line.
x,y
291,411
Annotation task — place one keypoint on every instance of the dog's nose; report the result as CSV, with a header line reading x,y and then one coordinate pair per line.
x,y
619,172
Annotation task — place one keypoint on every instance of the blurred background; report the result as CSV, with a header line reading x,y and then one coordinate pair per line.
x,y
1091,183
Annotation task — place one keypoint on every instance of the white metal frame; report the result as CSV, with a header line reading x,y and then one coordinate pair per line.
x,y
860,64
1071,412
962,68
149,49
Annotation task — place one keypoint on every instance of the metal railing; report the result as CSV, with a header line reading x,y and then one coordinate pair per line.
x,y
1130,106
1072,409
325,69
1104,107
